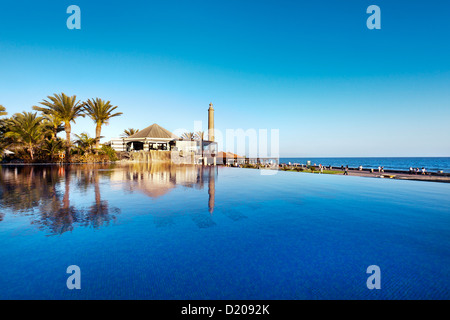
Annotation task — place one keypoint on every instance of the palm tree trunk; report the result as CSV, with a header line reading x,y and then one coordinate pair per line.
x,y
31,151
98,131
201,146
68,131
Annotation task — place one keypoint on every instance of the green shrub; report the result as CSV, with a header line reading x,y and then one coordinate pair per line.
x,y
110,152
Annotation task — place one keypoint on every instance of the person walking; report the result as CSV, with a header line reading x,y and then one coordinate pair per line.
x,y
346,171
423,170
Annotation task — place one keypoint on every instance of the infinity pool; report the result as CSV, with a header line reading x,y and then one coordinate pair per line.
x,y
164,232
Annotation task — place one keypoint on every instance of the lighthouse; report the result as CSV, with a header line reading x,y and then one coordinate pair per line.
x,y
211,122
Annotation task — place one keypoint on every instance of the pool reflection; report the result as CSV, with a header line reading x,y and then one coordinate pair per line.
x,y
44,193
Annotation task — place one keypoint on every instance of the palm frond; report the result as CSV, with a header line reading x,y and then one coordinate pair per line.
x,y
188,136
200,135
129,132
100,111
3,111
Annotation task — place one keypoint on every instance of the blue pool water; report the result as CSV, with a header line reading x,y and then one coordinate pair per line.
x,y
160,232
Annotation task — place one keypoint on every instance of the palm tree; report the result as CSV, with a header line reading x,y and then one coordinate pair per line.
x,y
3,111
85,143
52,147
54,124
100,111
66,108
188,136
129,132
3,129
25,129
200,135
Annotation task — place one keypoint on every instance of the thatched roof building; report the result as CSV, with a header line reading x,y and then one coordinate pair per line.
x,y
157,138
153,132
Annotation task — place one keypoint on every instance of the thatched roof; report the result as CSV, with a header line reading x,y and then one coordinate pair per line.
x,y
154,131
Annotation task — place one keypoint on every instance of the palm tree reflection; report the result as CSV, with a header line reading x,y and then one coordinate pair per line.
x,y
58,216
44,193
99,213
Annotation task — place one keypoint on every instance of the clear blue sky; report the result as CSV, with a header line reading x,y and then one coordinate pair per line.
x,y
310,69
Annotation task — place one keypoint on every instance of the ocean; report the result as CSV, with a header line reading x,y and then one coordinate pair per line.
x,y
433,164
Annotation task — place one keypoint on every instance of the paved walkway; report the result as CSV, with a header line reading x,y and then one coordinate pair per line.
x,y
397,175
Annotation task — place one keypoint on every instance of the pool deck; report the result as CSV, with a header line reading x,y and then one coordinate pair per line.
x,y
392,174
388,174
